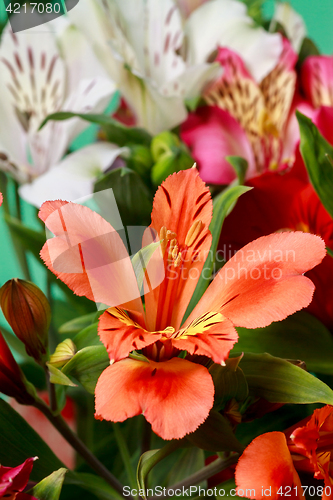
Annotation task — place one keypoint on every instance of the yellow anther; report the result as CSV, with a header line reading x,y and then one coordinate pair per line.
x,y
175,252
193,233
178,260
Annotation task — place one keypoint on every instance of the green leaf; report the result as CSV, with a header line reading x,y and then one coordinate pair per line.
x,y
93,484
222,205
279,381
223,490
299,336
18,441
58,377
114,130
149,459
190,460
63,353
133,198
215,434
229,382
87,337
30,238
50,487
87,365
307,49
240,166
314,149
77,324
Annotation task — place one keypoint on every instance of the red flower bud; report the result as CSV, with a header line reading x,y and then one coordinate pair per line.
x,y
28,312
12,380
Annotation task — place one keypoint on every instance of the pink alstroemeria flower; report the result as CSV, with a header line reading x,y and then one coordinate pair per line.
x,y
244,118
260,284
317,85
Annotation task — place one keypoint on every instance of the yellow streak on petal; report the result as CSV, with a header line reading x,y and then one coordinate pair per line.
x,y
200,325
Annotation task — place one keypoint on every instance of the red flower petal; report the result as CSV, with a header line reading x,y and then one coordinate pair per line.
x,y
182,203
212,134
175,396
121,335
263,282
209,335
89,256
13,479
266,466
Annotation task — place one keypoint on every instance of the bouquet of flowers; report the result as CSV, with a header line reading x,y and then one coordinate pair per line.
x,y
166,178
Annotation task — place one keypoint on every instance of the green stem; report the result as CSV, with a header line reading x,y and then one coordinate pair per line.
x,y
123,448
19,250
59,423
201,475
51,391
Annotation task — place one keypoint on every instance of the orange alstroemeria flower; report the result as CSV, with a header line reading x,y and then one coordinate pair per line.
x,y
272,459
260,284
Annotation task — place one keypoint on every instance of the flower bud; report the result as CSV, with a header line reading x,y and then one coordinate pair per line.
x,y
12,380
28,312
170,155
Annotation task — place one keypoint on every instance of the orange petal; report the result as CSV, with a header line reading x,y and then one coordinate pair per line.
x,y
263,281
265,466
209,335
183,206
175,396
89,256
121,335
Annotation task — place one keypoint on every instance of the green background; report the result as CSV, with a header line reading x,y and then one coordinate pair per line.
x,y
318,18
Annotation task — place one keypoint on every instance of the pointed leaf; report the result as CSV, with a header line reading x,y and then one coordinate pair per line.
x,y
57,377
63,353
190,461
240,166
296,338
314,149
87,365
133,198
77,324
94,484
114,130
50,487
149,459
229,382
87,337
279,381
215,434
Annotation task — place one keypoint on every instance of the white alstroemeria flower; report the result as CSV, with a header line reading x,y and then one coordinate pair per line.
x,y
292,22
159,59
43,71
73,177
